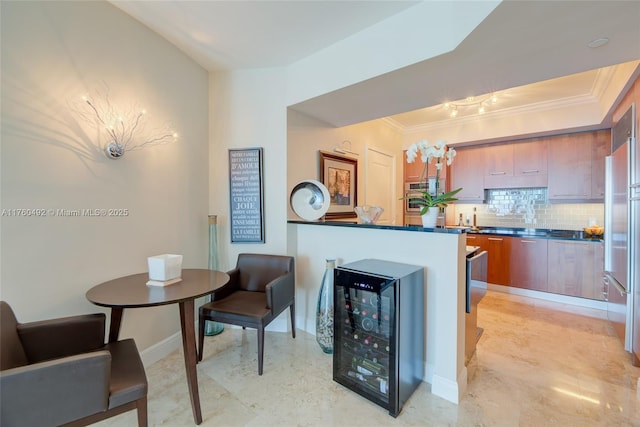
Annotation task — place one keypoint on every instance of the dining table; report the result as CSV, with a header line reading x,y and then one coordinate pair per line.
x,y
133,292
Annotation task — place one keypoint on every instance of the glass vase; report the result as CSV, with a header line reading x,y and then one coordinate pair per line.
x,y
324,312
213,328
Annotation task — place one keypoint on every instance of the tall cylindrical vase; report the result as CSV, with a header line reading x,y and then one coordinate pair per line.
x,y
213,328
324,312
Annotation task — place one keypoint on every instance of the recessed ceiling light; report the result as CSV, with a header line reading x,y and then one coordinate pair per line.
x,y
598,42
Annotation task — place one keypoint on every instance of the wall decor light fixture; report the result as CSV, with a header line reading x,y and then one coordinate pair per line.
x,y
345,148
126,130
473,104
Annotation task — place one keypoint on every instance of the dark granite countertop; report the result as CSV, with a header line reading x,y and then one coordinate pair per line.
x,y
449,230
541,233
534,233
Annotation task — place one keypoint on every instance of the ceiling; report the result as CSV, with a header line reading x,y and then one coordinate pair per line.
x,y
528,52
579,87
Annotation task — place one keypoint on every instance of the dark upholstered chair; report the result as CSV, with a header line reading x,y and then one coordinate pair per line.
x,y
260,288
60,372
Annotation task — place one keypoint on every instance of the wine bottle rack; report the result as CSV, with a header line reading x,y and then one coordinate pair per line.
x,y
365,322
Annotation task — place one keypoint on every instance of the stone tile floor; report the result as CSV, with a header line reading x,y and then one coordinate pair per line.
x,y
537,364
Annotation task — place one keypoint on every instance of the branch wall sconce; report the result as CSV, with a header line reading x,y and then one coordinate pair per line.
x,y
125,129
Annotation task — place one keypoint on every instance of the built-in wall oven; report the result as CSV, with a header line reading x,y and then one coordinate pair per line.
x,y
412,188
412,207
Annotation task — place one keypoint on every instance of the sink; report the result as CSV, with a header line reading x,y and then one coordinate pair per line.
x,y
533,233
495,231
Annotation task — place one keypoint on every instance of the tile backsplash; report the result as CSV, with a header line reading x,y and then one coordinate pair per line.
x,y
529,208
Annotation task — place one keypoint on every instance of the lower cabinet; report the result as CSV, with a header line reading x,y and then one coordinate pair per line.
x,y
574,268
529,264
565,267
499,253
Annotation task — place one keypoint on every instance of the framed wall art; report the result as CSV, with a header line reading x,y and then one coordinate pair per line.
x,y
246,195
340,175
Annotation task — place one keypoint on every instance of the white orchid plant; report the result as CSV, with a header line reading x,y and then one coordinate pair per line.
x,y
442,154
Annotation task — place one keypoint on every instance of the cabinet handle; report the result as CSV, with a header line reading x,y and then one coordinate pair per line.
x,y
495,238
497,173
528,241
531,171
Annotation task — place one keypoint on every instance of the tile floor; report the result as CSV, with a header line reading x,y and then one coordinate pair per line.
x,y
537,364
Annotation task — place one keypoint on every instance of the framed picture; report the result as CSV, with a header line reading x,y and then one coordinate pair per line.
x,y
340,175
245,192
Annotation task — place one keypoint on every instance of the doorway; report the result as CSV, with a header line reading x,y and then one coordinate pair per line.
x,y
380,183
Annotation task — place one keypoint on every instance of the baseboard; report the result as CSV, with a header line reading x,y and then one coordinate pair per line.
x,y
594,308
450,390
161,350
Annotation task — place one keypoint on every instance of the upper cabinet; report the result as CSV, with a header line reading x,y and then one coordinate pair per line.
x,y
571,166
498,165
576,166
601,148
530,158
466,173
412,171
516,165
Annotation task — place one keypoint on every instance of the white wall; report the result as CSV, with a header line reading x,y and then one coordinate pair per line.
x,y
53,52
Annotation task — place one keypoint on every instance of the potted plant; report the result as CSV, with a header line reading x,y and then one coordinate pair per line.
x,y
431,204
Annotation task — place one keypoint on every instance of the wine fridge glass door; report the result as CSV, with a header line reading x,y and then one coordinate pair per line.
x,y
364,335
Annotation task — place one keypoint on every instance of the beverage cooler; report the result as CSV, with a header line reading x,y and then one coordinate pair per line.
x,y
379,330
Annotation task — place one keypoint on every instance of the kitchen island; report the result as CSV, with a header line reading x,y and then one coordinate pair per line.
x,y
442,253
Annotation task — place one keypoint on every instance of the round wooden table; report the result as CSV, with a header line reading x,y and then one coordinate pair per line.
x,y
133,292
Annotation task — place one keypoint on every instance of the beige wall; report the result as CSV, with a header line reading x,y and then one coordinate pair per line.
x,y
248,110
306,136
52,53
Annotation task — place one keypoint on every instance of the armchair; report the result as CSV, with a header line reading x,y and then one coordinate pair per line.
x,y
260,288
60,372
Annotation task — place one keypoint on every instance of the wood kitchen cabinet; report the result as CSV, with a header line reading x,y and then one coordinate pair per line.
x,y
498,160
517,165
600,149
530,158
598,268
498,256
572,268
466,173
566,267
412,171
529,263
576,165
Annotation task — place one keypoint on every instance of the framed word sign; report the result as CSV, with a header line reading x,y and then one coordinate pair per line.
x,y
245,190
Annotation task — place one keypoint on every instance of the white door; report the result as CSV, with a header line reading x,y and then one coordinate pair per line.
x,y
380,183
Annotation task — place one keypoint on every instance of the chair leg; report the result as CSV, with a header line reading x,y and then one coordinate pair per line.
x,y
260,348
201,321
142,411
292,309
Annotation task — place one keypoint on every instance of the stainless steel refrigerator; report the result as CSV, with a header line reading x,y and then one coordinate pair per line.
x,y
622,233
